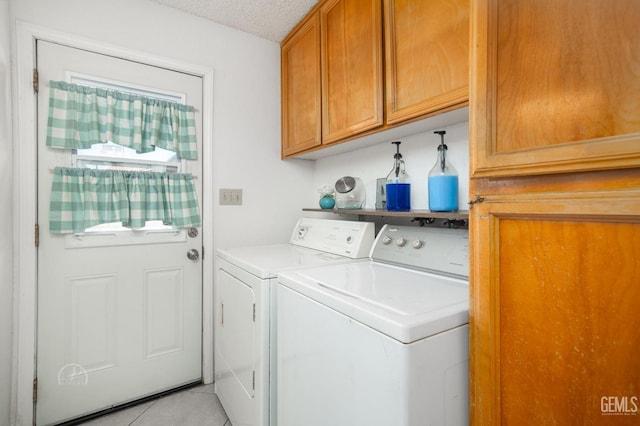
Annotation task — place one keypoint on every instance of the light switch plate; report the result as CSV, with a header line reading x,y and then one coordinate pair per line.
x,y
230,197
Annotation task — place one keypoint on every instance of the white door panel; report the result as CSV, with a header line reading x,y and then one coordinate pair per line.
x,y
119,314
236,337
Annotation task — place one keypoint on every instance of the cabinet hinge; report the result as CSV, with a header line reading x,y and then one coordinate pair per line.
x,y
477,200
36,232
36,80
35,390
254,379
254,312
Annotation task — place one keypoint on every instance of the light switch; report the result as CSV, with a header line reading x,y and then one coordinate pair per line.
x,y
230,197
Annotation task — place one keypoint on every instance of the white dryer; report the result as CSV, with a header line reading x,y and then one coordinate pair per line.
x,y
378,343
243,353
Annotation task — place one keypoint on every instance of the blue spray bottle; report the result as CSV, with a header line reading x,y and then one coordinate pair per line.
x,y
443,181
398,188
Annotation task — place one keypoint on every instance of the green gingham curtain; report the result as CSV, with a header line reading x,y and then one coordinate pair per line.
x,y
80,116
82,198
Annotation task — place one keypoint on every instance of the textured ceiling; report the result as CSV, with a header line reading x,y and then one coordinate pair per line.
x,y
270,19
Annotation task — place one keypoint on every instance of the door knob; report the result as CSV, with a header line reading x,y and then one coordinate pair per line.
x,y
193,254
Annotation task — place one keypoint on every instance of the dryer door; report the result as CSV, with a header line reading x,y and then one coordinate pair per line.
x,y
235,332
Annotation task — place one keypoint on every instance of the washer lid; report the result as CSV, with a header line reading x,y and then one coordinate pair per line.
x,y
266,261
404,304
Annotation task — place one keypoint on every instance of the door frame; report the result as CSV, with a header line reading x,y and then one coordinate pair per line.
x,y
25,203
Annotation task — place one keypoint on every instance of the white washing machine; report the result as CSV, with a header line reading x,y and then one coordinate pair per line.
x,y
378,343
242,300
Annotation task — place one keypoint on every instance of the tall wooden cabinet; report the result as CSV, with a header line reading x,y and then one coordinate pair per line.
x,y
555,227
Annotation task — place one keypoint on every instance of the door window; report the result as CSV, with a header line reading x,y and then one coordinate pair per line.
x,y
111,156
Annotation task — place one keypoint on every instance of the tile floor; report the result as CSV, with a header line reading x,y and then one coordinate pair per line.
x,y
197,406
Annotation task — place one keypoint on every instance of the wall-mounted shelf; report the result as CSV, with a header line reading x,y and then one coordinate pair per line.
x,y
414,214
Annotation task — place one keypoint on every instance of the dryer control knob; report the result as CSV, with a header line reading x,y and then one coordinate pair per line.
x,y
386,240
400,242
417,244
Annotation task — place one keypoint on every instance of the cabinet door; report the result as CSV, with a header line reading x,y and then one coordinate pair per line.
x,y
555,86
351,33
301,126
555,329
427,57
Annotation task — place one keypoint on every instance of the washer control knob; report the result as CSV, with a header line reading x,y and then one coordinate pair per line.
x,y
417,244
386,240
400,242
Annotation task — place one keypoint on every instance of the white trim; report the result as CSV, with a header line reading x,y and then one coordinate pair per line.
x,y
25,203
137,89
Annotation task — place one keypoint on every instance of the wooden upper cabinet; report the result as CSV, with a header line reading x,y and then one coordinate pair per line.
x,y
555,86
351,57
301,126
427,57
332,85
346,73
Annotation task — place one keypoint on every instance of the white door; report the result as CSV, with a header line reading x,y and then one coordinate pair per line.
x,y
119,311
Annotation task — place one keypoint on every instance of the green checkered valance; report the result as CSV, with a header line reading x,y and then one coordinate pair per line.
x,y
81,115
82,198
